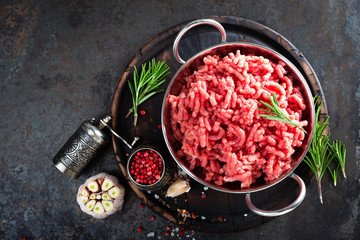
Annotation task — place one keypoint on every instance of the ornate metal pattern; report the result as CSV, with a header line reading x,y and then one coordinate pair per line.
x,y
79,150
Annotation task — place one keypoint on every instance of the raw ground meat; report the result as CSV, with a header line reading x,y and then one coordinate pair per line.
x,y
215,117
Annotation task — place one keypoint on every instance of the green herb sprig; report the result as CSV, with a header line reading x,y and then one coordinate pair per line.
x,y
321,152
319,156
339,150
334,174
277,113
146,85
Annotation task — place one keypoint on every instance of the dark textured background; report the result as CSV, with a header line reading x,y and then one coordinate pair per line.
x,y
60,62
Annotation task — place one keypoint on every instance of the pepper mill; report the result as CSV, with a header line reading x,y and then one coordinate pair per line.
x,y
83,146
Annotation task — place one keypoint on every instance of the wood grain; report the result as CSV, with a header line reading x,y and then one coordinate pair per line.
x,y
218,211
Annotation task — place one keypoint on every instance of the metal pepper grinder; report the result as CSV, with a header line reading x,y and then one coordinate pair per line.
x,y
83,146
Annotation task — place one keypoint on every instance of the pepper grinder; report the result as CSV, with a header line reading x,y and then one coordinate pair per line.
x,y
84,145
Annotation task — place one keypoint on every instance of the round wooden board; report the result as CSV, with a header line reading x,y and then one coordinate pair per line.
x,y
218,211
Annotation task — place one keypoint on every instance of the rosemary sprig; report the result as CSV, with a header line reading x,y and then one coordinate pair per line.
x,y
146,85
319,156
334,174
277,114
339,151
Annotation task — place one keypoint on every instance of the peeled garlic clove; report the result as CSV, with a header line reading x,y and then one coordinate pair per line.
x,y
106,185
177,188
108,205
93,186
90,205
114,198
98,208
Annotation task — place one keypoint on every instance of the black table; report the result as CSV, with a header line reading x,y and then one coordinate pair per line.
x,y
60,63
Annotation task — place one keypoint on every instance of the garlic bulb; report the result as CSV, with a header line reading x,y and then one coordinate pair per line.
x,y
101,195
177,188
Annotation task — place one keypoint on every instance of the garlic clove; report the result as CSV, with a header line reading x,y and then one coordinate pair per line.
x,y
106,185
93,196
105,196
85,192
90,205
98,208
108,205
114,192
84,199
93,186
177,188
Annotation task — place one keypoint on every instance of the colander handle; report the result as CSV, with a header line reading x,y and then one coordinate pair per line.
x,y
282,211
191,25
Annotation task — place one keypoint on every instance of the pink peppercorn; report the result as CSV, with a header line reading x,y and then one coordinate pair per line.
x,y
146,167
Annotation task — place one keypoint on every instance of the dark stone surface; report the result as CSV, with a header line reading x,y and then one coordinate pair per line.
x,y
60,62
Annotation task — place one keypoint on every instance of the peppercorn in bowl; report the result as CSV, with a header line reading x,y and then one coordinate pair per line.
x,y
147,168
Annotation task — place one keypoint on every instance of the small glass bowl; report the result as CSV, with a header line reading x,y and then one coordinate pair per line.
x,y
166,173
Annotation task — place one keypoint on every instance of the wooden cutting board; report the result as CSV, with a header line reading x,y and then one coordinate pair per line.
x,y
204,209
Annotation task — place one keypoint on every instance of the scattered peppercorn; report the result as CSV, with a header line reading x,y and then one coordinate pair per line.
x,y
159,126
203,195
140,229
142,112
141,205
193,215
152,218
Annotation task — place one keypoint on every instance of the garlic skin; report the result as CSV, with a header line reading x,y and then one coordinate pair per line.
x,y
100,203
177,188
